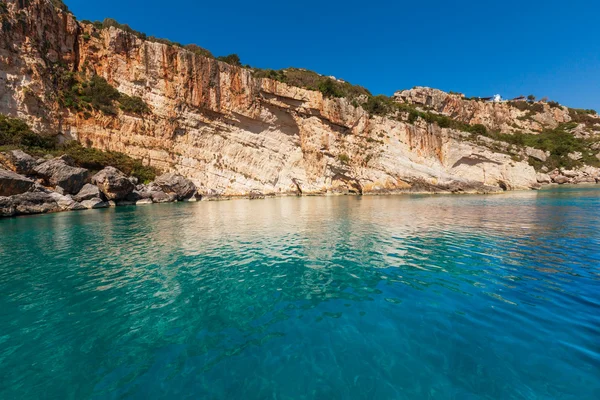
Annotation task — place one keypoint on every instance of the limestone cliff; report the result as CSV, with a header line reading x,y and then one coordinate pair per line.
x,y
232,133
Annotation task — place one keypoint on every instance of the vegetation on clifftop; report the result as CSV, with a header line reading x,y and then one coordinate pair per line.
x,y
558,142
16,134
312,81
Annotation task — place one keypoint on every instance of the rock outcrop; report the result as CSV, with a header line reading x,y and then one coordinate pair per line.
x,y
87,192
18,161
114,184
12,183
20,195
506,117
35,203
175,184
57,172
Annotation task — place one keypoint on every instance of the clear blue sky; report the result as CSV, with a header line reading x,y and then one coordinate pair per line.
x,y
478,47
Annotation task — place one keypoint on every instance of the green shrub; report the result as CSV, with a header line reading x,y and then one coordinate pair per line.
x,y
330,89
344,159
95,160
79,94
15,132
232,59
312,81
194,48
581,116
100,94
525,106
554,104
133,104
379,105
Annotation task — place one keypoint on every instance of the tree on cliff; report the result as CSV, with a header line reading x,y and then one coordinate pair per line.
x,y
232,59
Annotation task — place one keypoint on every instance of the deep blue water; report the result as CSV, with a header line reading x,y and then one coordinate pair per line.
x,y
406,297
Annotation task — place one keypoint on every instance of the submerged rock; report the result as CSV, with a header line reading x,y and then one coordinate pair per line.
x,y
12,183
256,195
57,172
114,184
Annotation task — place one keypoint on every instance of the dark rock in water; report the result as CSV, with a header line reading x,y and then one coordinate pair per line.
x,y
174,183
456,187
135,196
18,161
7,207
57,172
256,195
113,183
87,192
94,203
35,203
12,183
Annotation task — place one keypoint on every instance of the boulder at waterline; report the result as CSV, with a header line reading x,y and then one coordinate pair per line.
x,y
87,192
35,203
7,207
182,187
57,172
12,183
560,179
94,203
162,197
113,183
544,179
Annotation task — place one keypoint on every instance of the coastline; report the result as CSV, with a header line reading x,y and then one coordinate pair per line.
x,y
211,198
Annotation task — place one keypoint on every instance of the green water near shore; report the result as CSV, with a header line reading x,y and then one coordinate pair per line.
x,y
414,297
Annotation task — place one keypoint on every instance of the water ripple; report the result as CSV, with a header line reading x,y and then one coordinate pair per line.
x,y
375,297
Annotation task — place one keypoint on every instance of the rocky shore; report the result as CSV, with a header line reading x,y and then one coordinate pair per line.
x,y
35,186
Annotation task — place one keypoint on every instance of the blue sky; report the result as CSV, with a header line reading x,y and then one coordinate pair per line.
x,y
547,48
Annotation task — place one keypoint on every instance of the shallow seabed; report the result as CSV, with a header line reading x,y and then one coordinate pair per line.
x,y
400,297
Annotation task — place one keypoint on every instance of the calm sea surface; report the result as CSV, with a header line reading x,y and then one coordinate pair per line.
x,y
406,297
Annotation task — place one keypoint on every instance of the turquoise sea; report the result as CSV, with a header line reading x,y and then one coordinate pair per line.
x,y
397,297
